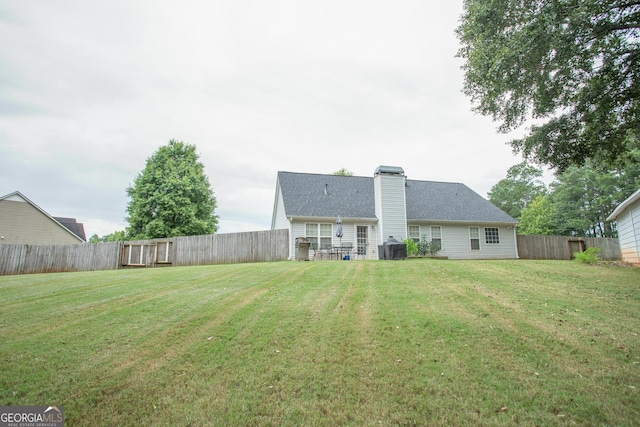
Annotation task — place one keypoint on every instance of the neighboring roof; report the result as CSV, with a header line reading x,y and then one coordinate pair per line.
x,y
72,225
17,196
354,197
622,206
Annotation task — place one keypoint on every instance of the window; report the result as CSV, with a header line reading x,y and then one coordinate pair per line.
x,y
319,235
474,236
326,235
414,233
311,233
491,235
436,235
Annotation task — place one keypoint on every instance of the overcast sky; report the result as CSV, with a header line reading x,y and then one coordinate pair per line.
x,y
90,90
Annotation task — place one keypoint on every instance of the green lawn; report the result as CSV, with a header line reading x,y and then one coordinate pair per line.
x,y
414,342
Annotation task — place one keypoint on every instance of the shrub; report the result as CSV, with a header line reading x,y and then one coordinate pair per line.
x,y
427,247
589,256
434,248
412,246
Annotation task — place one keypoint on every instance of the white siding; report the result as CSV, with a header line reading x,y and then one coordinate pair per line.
x,y
456,242
374,241
348,234
279,215
349,229
297,230
390,206
629,233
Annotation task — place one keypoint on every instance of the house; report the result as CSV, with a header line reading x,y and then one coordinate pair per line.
x,y
388,204
627,217
72,225
23,222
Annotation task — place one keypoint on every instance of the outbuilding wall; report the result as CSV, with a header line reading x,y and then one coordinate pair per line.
x,y
629,233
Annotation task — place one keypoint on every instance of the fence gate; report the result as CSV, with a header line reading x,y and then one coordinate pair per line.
x,y
575,245
146,254
133,255
162,253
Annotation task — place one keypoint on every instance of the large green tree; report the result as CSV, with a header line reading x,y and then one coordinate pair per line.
x,y
515,192
583,197
574,65
538,217
171,196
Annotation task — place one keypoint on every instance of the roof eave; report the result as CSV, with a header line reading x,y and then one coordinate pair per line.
x,y
622,206
463,221
330,218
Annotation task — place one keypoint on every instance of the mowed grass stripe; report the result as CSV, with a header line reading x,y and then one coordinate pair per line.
x,y
533,349
258,325
423,342
103,336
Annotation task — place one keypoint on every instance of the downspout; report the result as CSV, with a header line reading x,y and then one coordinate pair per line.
x,y
291,239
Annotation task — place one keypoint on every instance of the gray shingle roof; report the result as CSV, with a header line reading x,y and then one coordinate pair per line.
x,y
450,201
304,195
353,197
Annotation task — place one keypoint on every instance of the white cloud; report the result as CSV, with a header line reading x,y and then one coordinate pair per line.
x,y
89,91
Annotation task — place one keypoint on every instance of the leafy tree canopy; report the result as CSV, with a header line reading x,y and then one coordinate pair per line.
x,y
583,197
116,236
343,172
577,202
515,192
573,63
538,217
171,196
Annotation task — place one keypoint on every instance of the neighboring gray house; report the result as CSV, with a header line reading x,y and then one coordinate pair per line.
x,y
23,222
72,225
388,204
627,217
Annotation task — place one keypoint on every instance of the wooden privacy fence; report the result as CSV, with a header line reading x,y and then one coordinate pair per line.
x,y
563,247
255,246
26,259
